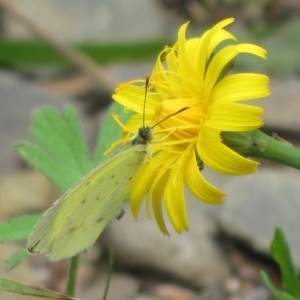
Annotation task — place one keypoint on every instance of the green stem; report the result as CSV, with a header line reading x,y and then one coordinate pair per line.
x,y
72,274
110,270
258,144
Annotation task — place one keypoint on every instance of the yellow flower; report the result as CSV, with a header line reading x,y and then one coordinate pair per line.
x,y
193,73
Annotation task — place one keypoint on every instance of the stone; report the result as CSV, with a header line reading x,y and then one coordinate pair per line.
x,y
122,287
192,257
259,203
277,115
25,192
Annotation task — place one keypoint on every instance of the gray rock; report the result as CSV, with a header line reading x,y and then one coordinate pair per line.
x,y
192,257
172,291
86,20
122,287
277,114
259,293
27,191
257,204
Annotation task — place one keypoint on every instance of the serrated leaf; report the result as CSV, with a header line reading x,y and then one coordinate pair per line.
x,y
29,290
60,151
61,136
281,253
39,159
15,259
18,228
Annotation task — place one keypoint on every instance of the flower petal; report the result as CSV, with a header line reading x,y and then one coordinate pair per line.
x,y
219,157
156,192
235,117
174,198
198,185
241,87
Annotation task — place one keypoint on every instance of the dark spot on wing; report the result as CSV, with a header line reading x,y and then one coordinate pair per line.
x,y
99,220
130,178
88,182
72,229
83,201
99,199
112,176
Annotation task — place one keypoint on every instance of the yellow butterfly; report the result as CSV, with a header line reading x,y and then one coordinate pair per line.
x,y
78,217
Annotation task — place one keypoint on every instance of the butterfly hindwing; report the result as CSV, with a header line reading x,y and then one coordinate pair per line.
x,y
78,217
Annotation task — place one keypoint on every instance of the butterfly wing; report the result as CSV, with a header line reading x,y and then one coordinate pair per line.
x,y
77,218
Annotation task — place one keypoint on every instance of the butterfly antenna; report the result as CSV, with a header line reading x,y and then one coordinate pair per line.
x,y
145,97
171,115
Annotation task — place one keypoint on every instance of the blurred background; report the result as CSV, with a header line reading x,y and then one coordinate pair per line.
x,y
75,52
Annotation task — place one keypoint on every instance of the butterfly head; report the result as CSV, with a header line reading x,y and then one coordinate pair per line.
x,y
144,136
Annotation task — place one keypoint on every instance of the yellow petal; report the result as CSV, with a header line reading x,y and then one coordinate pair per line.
x,y
219,157
198,185
241,87
174,199
235,117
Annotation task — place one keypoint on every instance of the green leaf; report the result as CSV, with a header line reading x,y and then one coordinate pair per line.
x,y
289,276
29,290
281,253
279,295
18,228
33,52
109,273
15,259
60,151
123,51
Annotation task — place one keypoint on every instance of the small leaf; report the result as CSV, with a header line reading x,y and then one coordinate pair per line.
x,y
62,138
279,295
39,159
18,228
15,259
281,253
60,151
29,290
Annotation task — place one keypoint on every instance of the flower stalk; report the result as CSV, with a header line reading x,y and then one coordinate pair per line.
x,y
260,145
